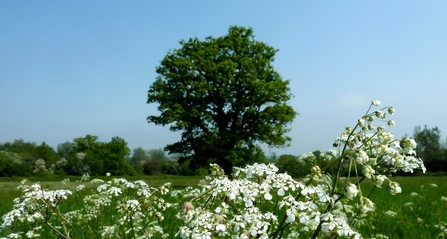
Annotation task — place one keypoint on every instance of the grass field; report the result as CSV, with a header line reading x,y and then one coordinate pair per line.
x,y
410,214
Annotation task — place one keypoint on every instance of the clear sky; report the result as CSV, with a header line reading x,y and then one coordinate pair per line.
x,y
71,68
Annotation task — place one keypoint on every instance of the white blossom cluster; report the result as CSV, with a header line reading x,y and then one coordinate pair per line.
x,y
33,206
261,203
370,147
137,210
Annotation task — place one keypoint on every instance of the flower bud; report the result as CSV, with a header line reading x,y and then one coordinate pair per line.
x,y
391,110
187,206
380,114
394,188
351,190
391,123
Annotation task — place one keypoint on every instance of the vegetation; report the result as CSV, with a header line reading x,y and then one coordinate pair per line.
x,y
258,201
431,149
225,96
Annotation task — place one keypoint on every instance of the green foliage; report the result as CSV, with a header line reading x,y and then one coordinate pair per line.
x,y
19,146
293,166
170,167
12,164
430,149
98,158
5,165
46,153
64,149
224,94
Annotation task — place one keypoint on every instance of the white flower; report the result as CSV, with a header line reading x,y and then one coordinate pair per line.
x,y
366,205
268,196
390,213
379,179
290,216
368,171
361,157
351,190
394,188
221,227
376,102
362,122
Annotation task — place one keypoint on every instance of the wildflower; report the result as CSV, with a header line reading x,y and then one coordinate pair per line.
x,y
290,216
108,174
379,179
366,205
361,156
187,206
391,110
351,190
390,213
444,198
391,123
108,230
433,185
362,122
221,227
408,145
376,102
316,173
414,194
368,171
394,188
379,114
85,177
80,187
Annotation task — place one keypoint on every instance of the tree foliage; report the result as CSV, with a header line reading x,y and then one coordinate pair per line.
x,y
224,95
45,152
430,149
64,149
98,158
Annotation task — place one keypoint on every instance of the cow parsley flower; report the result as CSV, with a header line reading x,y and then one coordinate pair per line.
x,y
391,123
351,190
394,188
366,205
391,110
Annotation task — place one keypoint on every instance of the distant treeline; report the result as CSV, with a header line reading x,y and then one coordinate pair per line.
x,y
89,155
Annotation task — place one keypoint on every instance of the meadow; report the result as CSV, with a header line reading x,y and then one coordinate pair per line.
x,y
420,211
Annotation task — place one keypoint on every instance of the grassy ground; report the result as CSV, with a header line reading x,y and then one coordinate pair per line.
x,y
419,207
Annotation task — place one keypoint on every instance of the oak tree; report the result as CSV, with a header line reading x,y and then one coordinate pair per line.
x,y
224,95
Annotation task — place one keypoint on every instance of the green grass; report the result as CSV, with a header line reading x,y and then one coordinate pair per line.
x,y
412,221
416,215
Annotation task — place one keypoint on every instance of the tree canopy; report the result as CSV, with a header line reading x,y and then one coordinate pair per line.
x,y
224,95
430,149
88,155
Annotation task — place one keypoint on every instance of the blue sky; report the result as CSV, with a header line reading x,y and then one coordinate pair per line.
x,y
71,68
